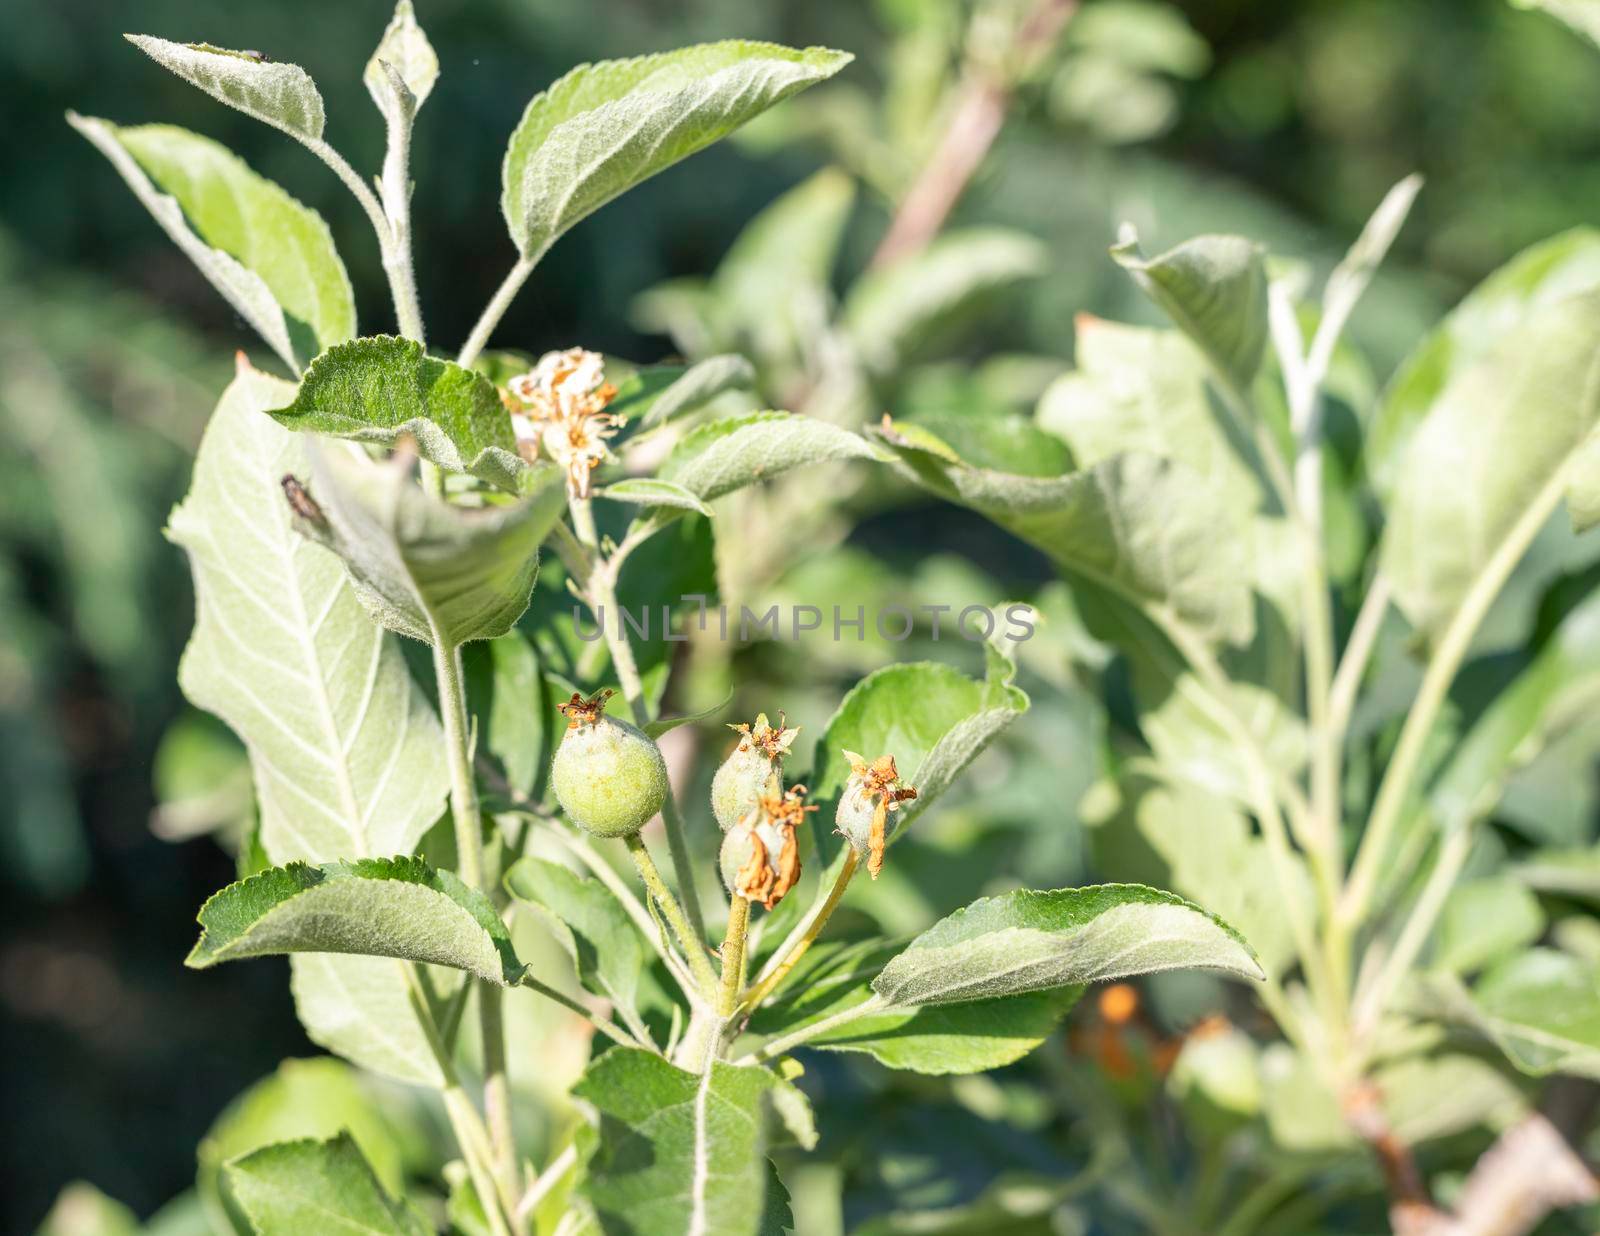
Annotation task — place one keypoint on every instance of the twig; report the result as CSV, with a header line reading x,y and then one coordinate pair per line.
x,y
975,122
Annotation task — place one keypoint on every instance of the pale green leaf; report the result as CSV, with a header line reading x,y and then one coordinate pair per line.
x,y
251,218
1562,873
1550,271
282,95
383,388
361,1008
241,287
317,1098
1555,692
1582,15
603,128
664,725
678,1152
651,491
728,454
1502,431
969,1037
1483,921
437,572
604,944
1144,390
80,1209
372,907
1540,1007
772,286
1214,288
1137,525
1034,941
344,747
891,312
1154,827
311,1186
660,393
931,717
1429,1097
406,50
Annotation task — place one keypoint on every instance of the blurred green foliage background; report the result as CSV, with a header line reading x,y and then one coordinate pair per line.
x,y
1281,119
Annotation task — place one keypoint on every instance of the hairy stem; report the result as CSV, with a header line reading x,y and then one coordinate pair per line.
x,y
395,248
496,309
733,957
773,1048
1395,787
601,1023
691,943
395,188
471,1137
805,933
1414,934
469,859
975,122
600,586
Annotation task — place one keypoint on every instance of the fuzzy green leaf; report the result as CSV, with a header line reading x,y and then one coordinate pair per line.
x,y
372,907
1214,288
406,50
660,393
1139,526
1540,1007
725,455
605,127
1502,431
1153,827
678,1152
1035,941
931,717
598,934
437,572
1582,15
272,258
383,388
893,311
969,1037
282,95
312,1186
650,491
1539,276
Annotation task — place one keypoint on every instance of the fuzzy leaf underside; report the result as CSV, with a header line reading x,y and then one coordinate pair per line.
x,y
1034,941
282,95
421,566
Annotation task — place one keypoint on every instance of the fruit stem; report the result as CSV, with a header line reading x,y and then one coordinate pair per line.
x,y
733,956
693,946
794,948
600,589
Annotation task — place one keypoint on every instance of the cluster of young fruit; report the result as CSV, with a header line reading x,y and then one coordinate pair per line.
x,y
611,780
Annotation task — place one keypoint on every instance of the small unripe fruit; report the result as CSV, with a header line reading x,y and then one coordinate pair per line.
x,y
871,794
760,856
744,776
608,776
738,847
